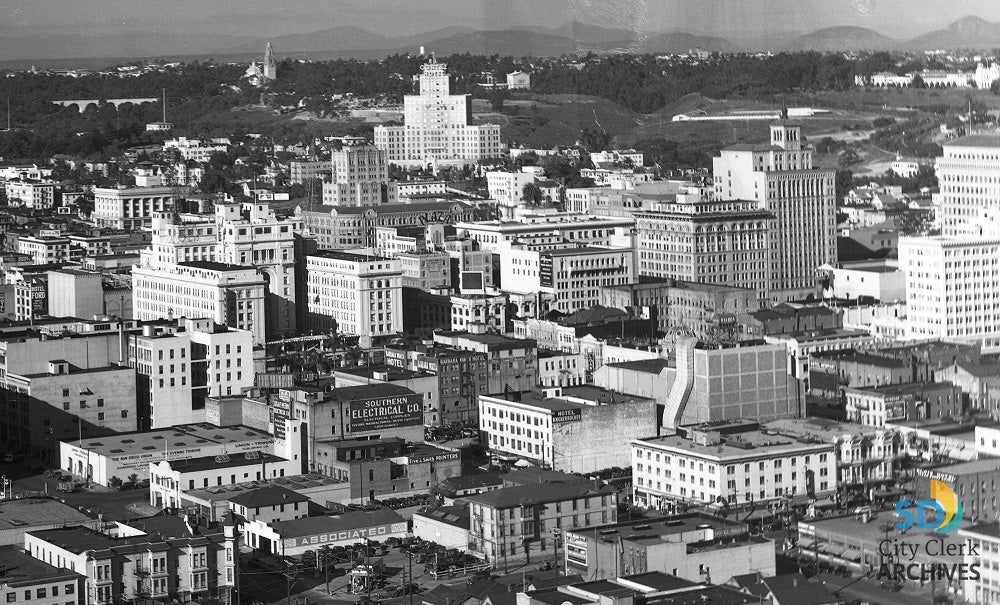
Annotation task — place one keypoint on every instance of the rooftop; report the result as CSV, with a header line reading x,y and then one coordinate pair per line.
x,y
182,436
753,443
972,467
353,257
659,581
510,497
644,366
975,140
370,391
212,265
457,516
21,569
293,482
269,495
26,513
658,529
309,526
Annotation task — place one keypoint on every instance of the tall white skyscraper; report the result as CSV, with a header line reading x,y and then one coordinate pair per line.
x,y
952,279
969,179
781,178
437,127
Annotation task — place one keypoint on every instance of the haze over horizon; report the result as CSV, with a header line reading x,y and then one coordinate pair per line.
x,y
740,18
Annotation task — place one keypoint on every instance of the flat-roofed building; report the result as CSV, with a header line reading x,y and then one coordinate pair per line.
x,y
360,294
132,208
694,547
24,579
515,522
123,454
135,565
170,479
21,515
344,227
573,429
736,463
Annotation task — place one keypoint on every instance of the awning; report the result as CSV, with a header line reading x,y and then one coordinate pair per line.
x,y
835,551
759,514
964,454
826,503
799,500
852,554
805,542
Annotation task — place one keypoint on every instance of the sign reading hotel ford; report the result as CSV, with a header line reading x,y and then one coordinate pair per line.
x,y
385,413
347,535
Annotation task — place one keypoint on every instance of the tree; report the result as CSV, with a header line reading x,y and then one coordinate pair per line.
x,y
133,479
918,82
594,140
531,194
115,482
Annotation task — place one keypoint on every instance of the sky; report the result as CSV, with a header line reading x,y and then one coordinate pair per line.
x,y
747,18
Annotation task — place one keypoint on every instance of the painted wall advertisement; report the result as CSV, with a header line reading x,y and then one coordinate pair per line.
x,y
572,415
385,413
347,535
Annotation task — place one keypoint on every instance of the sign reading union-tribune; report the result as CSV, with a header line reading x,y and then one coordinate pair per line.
x,y
385,413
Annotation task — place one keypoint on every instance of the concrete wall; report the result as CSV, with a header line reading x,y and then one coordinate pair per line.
x,y
742,382
444,534
601,438
643,384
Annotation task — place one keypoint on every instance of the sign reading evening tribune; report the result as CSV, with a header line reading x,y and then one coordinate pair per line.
x,y
385,413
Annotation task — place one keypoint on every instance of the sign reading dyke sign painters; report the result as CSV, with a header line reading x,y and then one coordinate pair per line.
x,y
385,413
347,535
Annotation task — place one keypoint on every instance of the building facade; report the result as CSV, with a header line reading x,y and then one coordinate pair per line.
x,y
780,177
437,126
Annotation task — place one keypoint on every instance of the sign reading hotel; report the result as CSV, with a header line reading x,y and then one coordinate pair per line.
x,y
385,413
351,535
572,415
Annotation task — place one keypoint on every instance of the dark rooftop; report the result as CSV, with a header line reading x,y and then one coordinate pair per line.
x,y
21,569
270,495
510,497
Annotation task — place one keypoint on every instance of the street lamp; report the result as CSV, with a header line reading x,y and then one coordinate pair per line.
x,y
7,486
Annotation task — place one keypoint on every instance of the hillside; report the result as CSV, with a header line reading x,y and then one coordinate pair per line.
x,y
841,38
967,32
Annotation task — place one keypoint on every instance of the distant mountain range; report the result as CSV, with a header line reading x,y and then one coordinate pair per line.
x,y
573,37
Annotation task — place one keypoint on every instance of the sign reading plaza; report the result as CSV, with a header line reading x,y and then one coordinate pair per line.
x,y
386,413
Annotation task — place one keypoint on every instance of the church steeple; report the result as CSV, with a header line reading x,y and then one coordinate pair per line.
x,y
269,67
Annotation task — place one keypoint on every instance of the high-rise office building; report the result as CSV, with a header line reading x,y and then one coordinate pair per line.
x,y
969,178
359,176
780,177
708,241
437,126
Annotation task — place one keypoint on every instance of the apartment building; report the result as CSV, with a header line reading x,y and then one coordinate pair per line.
x,y
512,363
738,463
517,522
132,564
25,579
30,194
44,249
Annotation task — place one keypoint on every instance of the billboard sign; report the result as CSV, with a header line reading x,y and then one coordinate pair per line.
x,y
385,413
348,535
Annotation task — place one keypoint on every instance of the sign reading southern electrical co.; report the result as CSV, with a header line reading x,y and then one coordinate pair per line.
x,y
385,413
